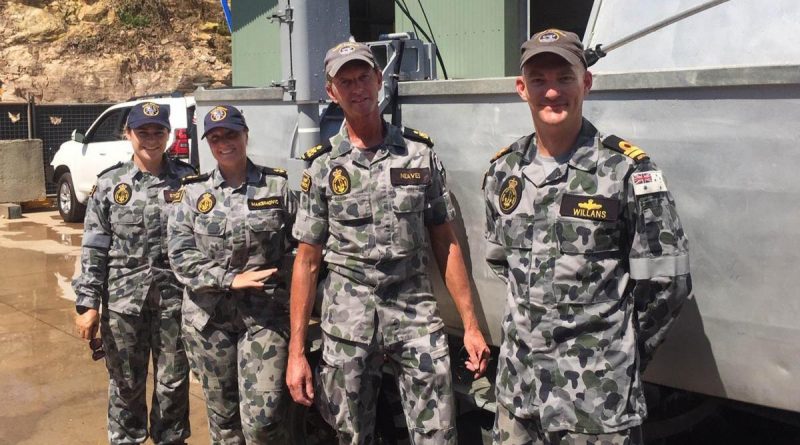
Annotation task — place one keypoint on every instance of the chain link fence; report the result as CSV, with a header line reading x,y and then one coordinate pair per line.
x,y
52,123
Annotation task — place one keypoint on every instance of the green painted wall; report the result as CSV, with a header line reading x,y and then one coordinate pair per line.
x,y
256,43
476,38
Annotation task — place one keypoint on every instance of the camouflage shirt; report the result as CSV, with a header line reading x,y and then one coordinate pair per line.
x,y
124,238
597,268
371,216
217,232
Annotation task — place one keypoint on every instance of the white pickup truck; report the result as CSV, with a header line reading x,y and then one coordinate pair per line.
x,y
78,161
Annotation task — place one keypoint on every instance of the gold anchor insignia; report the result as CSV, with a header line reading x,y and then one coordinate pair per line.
x,y
150,109
590,205
509,197
122,194
206,202
340,183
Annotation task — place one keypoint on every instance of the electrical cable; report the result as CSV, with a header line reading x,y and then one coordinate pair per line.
x,y
424,34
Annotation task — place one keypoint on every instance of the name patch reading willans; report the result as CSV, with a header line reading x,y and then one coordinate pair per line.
x,y
596,208
265,203
410,176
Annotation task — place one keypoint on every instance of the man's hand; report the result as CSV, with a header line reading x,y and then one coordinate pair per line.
x,y
298,379
86,324
252,279
478,352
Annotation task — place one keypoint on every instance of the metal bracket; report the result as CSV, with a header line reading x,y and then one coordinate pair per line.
x,y
287,85
285,16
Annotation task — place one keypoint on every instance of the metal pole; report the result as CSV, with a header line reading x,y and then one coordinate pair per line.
x,y
658,25
596,53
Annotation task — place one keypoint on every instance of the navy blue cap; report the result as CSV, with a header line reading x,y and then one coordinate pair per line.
x,y
149,113
224,116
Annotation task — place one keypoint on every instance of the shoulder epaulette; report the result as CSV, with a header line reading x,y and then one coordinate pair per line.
x,y
315,152
117,165
194,178
500,153
274,171
626,148
185,164
416,135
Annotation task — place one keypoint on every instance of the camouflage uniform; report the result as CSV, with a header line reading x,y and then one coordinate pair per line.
x,y
124,268
371,215
236,339
597,268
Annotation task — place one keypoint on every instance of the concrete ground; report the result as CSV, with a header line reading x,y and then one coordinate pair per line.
x,y
51,390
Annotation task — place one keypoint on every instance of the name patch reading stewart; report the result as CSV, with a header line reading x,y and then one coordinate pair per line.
x,y
264,203
596,208
410,176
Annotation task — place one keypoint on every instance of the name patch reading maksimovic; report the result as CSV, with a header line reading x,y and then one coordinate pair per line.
x,y
265,203
171,196
410,176
596,208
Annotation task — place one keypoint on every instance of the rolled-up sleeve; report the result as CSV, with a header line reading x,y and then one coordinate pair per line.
x,y
311,222
495,253
438,204
659,264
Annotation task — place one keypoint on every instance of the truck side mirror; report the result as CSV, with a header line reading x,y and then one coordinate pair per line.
x,y
77,136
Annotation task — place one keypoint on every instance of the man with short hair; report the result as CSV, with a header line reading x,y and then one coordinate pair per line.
x,y
584,232
370,197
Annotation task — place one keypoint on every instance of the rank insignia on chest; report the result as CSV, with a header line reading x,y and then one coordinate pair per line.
x,y
339,181
171,196
510,194
122,194
206,202
596,208
264,203
305,183
410,176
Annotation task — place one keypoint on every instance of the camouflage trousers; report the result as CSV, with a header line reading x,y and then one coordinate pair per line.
x,y
242,371
349,376
512,430
129,340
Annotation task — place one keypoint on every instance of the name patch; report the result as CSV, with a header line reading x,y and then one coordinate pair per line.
x,y
595,208
645,183
265,203
410,176
171,196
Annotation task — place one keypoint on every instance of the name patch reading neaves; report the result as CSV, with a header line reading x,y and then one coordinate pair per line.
x,y
410,176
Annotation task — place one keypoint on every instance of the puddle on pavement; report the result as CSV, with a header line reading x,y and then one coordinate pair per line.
x,y
35,279
32,231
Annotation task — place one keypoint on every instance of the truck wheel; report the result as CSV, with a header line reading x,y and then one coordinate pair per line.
x,y
68,206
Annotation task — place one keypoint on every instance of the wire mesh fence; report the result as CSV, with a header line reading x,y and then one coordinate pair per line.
x,y
52,123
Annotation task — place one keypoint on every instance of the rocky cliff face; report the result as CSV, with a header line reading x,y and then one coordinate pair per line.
x,y
65,51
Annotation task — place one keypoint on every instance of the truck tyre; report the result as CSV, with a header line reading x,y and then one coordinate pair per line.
x,y
68,206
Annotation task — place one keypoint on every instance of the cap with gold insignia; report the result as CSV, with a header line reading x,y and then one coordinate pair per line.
x,y
145,113
224,116
346,52
562,43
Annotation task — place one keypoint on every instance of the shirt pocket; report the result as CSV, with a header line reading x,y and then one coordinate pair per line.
x,y
266,232
128,242
587,268
408,205
351,222
209,233
516,234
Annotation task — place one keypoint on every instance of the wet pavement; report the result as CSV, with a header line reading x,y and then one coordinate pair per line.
x,y
51,390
